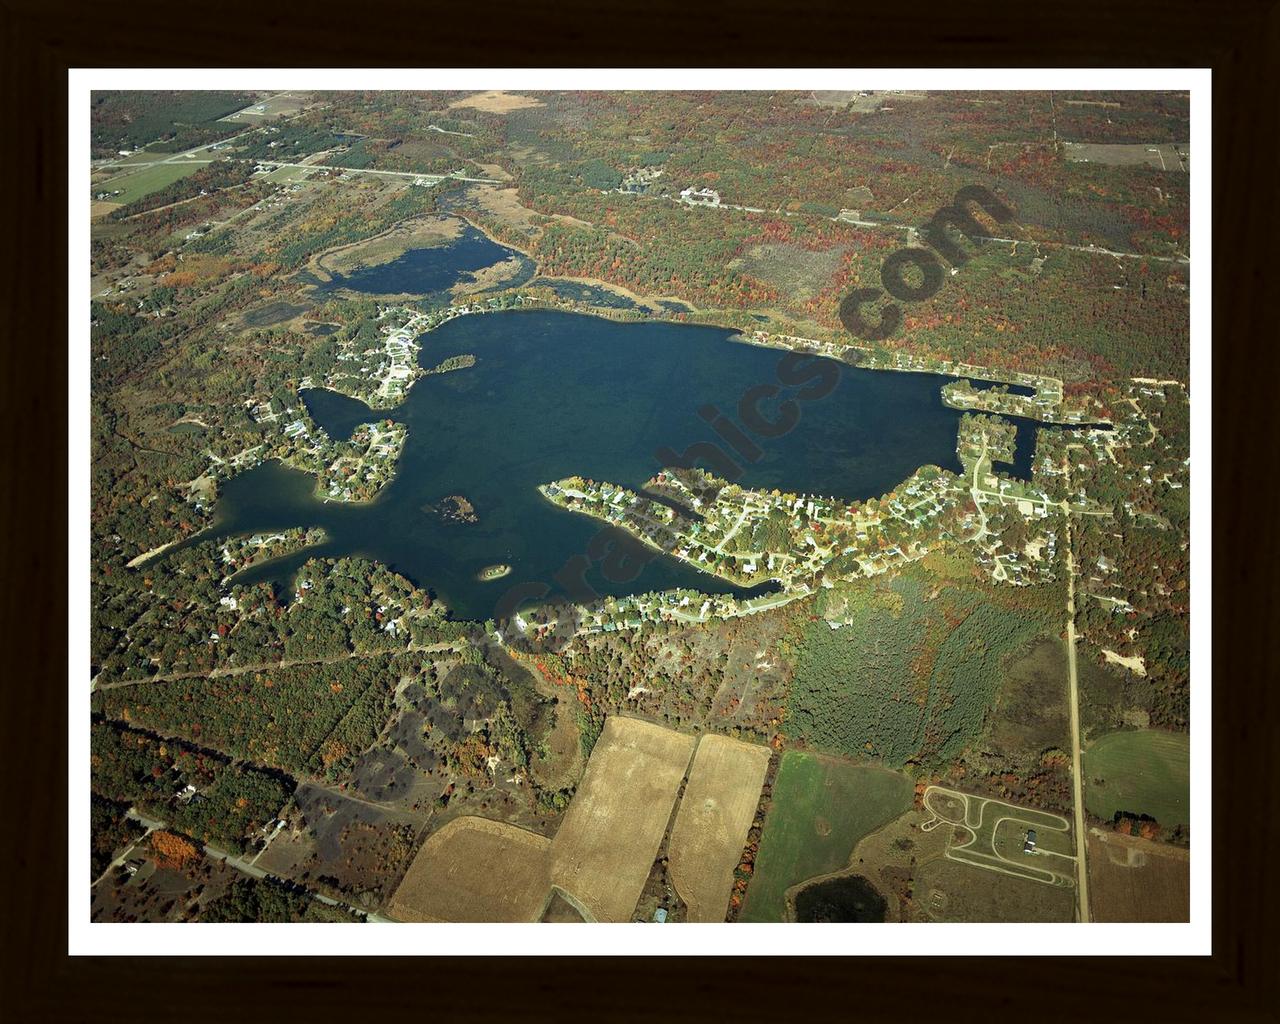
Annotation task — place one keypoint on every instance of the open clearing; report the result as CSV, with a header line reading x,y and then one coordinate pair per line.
x,y
1145,771
474,869
1031,708
287,175
947,890
133,185
821,807
922,884
275,106
990,834
796,272
602,855
1133,879
711,826
496,102
1174,156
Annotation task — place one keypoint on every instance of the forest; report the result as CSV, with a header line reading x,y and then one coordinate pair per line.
x,y
912,670
170,120
228,805
310,718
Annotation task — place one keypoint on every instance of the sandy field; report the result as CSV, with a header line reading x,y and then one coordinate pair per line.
x,y
711,826
496,101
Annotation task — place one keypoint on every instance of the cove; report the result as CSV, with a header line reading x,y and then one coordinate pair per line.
x,y
554,394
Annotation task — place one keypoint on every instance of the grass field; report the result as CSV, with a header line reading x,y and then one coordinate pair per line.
x,y
948,890
1163,157
821,808
711,825
605,848
136,184
1141,772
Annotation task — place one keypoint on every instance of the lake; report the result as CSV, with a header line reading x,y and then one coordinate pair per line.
x,y
434,269
554,394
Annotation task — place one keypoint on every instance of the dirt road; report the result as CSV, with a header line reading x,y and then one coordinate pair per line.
x,y
1077,777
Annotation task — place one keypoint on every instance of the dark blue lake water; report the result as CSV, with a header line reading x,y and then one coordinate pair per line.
x,y
433,270
554,394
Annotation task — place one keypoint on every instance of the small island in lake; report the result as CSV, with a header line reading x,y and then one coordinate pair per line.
x,y
454,363
454,509
493,572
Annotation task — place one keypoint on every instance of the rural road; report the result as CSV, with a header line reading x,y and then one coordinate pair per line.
x,y
277,164
245,867
223,671
1077,779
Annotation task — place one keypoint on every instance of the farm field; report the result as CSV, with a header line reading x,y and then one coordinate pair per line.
x,y
611,833
474,869
1146,771
136,184
711,826
1133,879
821,808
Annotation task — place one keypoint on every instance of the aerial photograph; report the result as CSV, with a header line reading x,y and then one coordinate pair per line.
x,y
656,506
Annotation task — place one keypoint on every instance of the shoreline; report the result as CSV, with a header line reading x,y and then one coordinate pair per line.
x,y
650,305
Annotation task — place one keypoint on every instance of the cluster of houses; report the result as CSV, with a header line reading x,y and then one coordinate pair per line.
x,y
700,196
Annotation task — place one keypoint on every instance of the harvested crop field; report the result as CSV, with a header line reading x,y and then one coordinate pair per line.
x,y
606,846
711,826
474,869
1132,879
